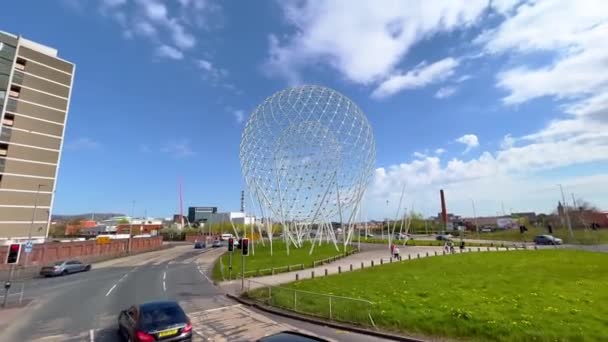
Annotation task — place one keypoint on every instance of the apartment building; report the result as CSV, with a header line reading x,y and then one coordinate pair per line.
x,y
35,88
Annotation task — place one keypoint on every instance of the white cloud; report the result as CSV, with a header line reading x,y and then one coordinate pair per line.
x,y
181,38
82,143
463,78
204,64
418,77
144,28
178,149
361,40
154,10
170,52
470,140
419,155
239,115
580,67
507,142
445,92
509,173
439,151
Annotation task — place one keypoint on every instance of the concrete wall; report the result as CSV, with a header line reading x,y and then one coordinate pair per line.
x,y
43,254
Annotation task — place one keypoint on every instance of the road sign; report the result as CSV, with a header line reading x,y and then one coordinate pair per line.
x,y
103,240
28,247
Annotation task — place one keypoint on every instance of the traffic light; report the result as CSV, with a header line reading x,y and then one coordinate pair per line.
x,y
245,246
230,244
14,250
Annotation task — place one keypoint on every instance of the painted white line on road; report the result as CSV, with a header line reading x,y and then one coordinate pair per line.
x,y
200,334
123,277
164,286
164,275
111,289
224,308
205,275
92,335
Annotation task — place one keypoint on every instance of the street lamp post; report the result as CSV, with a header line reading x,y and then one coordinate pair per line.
x,y
131,226
29,234
566,211
475,217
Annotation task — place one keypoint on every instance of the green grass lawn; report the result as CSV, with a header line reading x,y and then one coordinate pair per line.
x,y
585,237
547,295
263,262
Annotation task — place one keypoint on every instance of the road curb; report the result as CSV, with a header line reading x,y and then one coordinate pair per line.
x,y
318,321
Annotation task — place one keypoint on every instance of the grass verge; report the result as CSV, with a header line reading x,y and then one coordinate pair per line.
x,y
583,237
416,242
547,295
262,262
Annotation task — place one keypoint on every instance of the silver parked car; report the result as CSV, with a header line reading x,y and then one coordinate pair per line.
x,y
64,267
547,240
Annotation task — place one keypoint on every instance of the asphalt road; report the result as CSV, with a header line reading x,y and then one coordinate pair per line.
x,y
84,306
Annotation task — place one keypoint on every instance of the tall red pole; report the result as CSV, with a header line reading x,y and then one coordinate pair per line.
x,y
444,212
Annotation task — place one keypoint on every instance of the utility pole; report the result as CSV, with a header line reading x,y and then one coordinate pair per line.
x,y
29,234
475,217
131,225
566,211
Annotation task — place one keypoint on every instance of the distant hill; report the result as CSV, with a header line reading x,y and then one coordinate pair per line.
x,y
85,216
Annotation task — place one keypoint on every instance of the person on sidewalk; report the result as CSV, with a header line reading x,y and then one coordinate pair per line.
x,y
396,253
392,248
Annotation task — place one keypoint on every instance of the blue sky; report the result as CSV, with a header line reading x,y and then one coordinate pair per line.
x,y
491,101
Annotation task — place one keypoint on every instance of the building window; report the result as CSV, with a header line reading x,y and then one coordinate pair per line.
x,y
9,120
20,65
3,149
15,91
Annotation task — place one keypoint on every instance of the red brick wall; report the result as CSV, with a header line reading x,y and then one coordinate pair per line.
x,y
195,237
46,253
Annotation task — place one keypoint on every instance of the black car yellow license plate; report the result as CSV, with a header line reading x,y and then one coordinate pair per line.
x,y
167,333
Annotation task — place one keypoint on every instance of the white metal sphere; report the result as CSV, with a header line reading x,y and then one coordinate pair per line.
x,y
307,154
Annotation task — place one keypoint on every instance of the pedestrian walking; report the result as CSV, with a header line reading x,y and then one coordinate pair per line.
x,y
461,246
396,253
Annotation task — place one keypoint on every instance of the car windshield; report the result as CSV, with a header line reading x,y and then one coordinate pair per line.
x,y
160,316
58,263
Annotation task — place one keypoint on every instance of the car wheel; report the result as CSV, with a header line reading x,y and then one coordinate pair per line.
x,y
87,268
65,272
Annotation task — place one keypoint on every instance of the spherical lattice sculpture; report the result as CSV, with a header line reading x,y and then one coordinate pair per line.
x,y
307,153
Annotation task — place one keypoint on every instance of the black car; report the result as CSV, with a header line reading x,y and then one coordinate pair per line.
x,y
155,321
291,336
199,245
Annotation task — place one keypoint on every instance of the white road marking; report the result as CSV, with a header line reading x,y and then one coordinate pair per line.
x,y
205,275
164,286
92,335
218,309
111,289
164,275
123,277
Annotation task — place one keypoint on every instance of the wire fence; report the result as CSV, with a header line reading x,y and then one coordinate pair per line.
x,y
236,274
335,308
335,257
